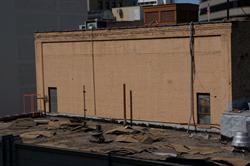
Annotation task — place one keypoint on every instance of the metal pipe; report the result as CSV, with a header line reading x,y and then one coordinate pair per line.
x,y
43,81
124,105
131,108
84,101
192,76
93,68
228,10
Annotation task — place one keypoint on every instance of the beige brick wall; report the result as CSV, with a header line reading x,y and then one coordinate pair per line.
x,y
68,66
153,62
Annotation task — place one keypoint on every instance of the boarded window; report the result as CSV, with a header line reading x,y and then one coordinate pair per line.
x,y
203,105
168,16
151,17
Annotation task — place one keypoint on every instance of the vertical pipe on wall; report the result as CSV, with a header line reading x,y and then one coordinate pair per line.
x,y
124,105
43,77
93,68
208,11
131,108
192,76
84,101
228,10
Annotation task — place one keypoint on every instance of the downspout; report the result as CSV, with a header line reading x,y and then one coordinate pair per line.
x,y
192,76
93,68
43,82
228,10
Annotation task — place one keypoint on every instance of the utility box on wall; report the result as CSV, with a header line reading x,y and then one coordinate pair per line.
x,y
170,14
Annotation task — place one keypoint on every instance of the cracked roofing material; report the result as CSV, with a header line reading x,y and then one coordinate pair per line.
x,y
138,142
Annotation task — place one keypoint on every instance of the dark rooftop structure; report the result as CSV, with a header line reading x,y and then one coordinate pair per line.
x,y
214,10
170,14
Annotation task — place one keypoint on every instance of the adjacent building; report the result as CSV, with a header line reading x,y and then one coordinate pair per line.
x,y
153,2
174,72
170,14
102,9
132,13
109,4
214,10
20,19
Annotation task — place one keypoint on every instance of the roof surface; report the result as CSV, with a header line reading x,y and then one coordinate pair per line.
x,y
136,141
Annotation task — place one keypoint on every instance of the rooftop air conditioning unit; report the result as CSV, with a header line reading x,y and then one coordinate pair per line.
x,y
82,27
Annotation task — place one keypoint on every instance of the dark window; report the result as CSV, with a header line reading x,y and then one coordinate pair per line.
x,y
53,100
224,6
203,108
